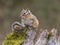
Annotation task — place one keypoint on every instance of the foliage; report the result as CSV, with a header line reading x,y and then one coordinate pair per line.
x,y
14,38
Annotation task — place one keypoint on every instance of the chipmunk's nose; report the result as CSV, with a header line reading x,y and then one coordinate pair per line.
x,y
20,16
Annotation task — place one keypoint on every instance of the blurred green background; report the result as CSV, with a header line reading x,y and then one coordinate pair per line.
x,y
47,11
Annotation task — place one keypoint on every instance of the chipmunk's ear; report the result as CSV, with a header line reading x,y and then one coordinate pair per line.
x,y
28,10
22,10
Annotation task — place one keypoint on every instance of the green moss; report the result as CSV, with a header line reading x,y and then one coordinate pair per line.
x,y
14,38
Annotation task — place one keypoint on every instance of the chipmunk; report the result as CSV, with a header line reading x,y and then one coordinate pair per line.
x,y
28,19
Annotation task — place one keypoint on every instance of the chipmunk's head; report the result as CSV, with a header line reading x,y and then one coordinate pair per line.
x,y
25,13
16,26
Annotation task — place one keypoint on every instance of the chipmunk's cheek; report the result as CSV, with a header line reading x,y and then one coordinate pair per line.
x,y
27,16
